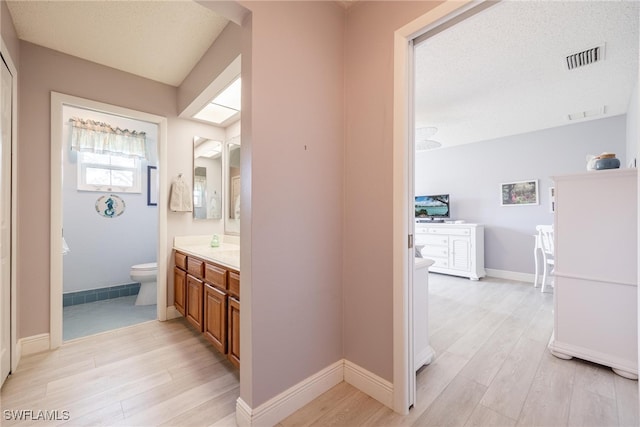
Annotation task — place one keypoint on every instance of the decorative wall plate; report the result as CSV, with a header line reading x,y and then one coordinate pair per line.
x,y
110,206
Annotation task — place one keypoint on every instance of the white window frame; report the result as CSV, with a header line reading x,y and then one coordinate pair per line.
x,y
84,186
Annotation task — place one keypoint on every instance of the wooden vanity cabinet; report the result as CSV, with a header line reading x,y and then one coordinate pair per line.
x,y
195,289
234,332
180,290
215,317
208,295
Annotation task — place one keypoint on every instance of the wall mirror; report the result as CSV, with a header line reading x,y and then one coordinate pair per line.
x,y
207,178
232,198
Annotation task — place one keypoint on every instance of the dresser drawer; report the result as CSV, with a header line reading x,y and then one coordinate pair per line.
x,y
435,252
450,231
431,240
181,260
440,262
234,284
215,275
195,267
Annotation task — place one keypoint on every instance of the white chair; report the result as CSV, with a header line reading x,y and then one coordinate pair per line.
x,y
544,244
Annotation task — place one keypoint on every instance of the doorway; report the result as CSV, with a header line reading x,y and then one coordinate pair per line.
x,y
58,104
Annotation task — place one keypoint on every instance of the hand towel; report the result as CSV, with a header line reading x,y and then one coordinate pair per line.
x,y
180,199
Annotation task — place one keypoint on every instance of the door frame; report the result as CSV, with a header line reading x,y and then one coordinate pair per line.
x,y
58,101
403,263
13,340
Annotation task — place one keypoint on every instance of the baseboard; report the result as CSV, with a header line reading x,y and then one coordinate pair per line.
x,y
510,275
172,313
281,406
33,344
369,383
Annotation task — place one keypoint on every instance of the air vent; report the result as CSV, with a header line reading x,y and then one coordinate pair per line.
x,y
586,57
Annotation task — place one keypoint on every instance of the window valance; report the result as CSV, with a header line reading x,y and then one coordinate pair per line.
x,y
102,138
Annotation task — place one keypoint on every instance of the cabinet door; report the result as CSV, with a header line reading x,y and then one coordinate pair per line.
x,y
234,332
215,317
460,253
194,301
179,290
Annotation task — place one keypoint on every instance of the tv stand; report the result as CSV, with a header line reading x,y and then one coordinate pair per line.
x,y
430,221
456,249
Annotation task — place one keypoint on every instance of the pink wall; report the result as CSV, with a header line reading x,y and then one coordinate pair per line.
x,y
296,193
368,257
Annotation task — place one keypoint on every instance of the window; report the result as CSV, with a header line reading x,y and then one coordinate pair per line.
x,y
104,172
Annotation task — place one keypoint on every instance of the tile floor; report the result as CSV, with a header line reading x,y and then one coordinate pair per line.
x,y
91,318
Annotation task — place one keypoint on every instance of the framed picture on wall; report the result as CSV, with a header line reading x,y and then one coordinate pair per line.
x,y
519,193
152,186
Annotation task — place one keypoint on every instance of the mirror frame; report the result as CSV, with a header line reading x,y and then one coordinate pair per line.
x,y
221,193
231,225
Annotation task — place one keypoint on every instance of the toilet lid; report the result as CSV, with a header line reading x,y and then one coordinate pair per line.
x,y
145,267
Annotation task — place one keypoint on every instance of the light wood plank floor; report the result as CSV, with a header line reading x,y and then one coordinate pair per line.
x,y
492,369
154,373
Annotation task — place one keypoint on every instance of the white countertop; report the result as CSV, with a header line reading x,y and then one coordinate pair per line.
x,y
227,254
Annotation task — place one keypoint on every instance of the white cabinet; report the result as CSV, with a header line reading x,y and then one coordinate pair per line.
x,y
596,267
423,353
456,249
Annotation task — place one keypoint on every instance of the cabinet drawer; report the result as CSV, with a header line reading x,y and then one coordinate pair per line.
x,y
181,260
435,252
450,231
215,275
234,284
440,262
195,267
428,239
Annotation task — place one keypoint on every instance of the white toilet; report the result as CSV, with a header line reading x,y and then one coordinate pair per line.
x,y
145,274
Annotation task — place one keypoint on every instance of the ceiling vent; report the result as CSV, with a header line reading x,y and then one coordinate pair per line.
x,y
586,57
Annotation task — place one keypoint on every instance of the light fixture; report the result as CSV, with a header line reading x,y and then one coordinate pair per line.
x,y
224,106
422,140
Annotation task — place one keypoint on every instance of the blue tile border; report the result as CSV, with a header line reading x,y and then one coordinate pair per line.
x,y
93,295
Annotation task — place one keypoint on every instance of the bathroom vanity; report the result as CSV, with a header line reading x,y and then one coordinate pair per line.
x,y
207,291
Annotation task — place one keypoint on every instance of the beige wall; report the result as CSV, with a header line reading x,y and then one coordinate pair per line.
x,y
221,53
9,33
296,194
42,71
368,322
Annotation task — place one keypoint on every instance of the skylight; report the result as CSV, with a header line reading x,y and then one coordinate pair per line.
x,y
224,106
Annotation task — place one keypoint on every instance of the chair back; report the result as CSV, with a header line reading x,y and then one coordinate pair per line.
x,y
545,236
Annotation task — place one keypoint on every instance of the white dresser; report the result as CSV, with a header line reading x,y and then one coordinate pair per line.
x,y
456,249
596,267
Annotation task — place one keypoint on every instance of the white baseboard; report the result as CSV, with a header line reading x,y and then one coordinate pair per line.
x,y
369,383
281,406
172,313
33,344
286,403
510,275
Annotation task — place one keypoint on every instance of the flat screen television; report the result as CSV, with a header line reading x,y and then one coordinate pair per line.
x,y
432,207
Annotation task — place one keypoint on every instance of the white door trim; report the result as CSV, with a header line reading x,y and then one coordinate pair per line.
x,y
14,203
58,100
402,370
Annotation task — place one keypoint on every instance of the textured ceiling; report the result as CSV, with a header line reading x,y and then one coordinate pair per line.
x,y
159,40
503,71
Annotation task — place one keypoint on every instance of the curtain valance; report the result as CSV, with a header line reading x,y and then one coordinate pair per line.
x,y
102,138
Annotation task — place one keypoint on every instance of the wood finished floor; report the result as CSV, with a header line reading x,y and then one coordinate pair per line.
x,y
492,368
